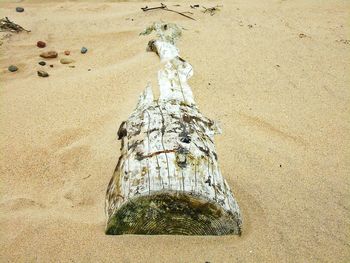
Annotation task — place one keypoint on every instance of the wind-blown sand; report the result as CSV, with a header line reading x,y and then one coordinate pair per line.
x,y
282,101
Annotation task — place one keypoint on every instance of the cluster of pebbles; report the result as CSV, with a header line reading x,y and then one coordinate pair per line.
x,y
50,55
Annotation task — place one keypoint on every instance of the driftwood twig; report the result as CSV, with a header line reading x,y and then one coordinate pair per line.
x,y
86,177
146,8
211,10
165,8
7,25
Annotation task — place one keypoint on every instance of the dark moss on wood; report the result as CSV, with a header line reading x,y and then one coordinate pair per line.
x,y
172,213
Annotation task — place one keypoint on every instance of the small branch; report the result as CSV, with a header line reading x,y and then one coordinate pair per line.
x,y
87,177
212,10
7,25
165,8
187,12
180,13
146,8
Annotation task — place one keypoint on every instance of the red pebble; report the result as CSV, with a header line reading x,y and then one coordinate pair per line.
x,y
67,52
41,44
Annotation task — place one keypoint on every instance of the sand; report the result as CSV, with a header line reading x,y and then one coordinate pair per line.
x,y
282,100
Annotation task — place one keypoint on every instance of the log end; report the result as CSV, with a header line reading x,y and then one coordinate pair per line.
x,y
173,213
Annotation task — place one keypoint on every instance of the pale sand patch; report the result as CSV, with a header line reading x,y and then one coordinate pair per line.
x,y
282,101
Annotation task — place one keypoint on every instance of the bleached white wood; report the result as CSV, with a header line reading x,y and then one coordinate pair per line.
x,y
168,151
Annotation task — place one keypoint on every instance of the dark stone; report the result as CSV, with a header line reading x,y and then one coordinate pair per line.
x,y
42,63
19,9
40,44
12,68
43,74
83,50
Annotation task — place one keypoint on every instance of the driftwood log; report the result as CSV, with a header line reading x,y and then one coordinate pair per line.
x,y
167,180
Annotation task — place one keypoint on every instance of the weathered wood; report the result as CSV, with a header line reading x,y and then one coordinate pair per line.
x,y
167,180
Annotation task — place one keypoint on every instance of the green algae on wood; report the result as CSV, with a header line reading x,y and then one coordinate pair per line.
x,y
172,213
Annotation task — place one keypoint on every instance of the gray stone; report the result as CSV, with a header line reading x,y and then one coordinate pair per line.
x,y
42,74
12,68
19,9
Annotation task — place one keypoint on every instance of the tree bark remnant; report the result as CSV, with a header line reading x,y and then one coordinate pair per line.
x,y
167,180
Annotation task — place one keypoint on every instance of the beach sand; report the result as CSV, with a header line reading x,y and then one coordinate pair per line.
x,y
281,98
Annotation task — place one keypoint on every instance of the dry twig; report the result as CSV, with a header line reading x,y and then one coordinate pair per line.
x,y
211,10
165,8
7,25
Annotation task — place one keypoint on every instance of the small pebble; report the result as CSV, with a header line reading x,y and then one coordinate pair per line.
x,y
41,44
66,60
72,66
19,9
51,66
89,69
42,63
49,54
83,50
67,52
42,74
12,68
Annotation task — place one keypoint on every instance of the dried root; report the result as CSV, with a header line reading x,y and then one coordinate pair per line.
x,y
7,25
212,10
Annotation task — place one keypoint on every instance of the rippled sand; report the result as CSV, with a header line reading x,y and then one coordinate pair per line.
x,y
282,99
